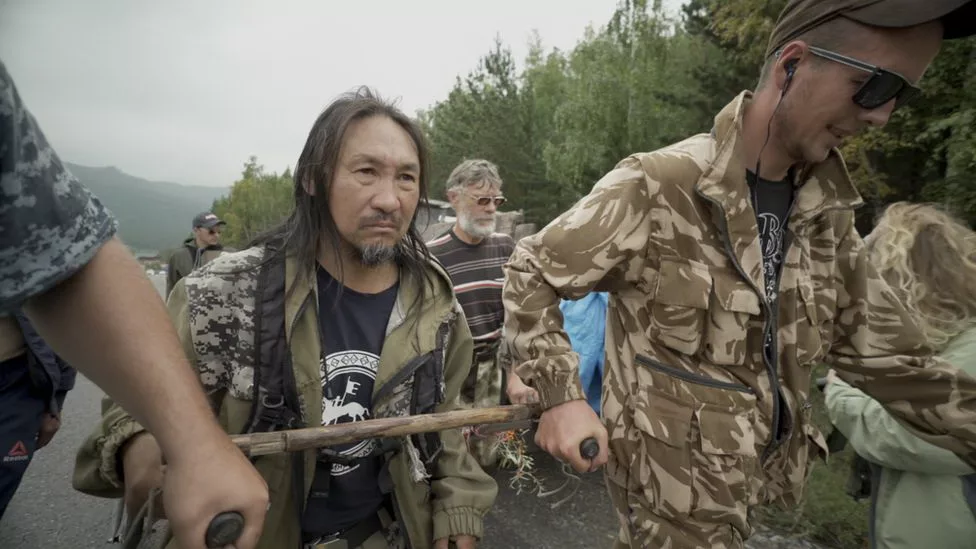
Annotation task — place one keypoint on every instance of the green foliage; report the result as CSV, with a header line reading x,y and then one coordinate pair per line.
x,y
257,201
642,81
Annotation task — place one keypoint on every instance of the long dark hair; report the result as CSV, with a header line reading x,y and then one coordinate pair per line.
x,y
301,233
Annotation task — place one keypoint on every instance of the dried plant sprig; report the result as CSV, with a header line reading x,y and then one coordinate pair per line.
x,y
514,455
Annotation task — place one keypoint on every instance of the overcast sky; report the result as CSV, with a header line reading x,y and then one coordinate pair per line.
x,y
186,90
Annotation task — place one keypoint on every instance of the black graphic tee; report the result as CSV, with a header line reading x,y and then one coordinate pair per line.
x,y
353,329
771,200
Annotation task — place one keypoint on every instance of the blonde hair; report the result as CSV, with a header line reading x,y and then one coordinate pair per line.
x,y
928,257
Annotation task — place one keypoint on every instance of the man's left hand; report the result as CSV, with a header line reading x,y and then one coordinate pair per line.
x,y
50,424
461,542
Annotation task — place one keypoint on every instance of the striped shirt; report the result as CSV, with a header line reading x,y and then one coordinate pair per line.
x,y
476,271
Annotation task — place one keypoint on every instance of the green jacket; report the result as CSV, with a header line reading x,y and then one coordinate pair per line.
x,y
218,340
917,500
186,258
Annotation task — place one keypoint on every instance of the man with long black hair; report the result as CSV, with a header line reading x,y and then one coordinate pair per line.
x,y
337,315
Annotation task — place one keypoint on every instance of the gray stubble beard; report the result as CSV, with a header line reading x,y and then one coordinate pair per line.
x,y
376,255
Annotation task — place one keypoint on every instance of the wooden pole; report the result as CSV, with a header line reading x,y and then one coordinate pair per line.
x,y
294,440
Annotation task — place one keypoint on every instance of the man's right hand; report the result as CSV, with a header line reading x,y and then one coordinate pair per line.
x,y
562,428
209,478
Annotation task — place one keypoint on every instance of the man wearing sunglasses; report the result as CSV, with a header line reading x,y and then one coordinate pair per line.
x,y
733,266
197,250
473,254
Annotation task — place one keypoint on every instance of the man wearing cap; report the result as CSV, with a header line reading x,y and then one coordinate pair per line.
x,y
733,266
197,250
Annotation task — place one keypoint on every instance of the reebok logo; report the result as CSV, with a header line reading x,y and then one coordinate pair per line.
x,y
17,453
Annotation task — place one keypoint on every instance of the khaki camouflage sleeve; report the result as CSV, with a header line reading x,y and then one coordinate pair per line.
x,y
879,438
878,349
598,243
462,492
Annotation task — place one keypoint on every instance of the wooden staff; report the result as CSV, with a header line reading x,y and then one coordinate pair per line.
x,y
294,440
225,528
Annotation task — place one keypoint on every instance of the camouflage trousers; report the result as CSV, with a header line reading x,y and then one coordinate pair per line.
x,y
482,389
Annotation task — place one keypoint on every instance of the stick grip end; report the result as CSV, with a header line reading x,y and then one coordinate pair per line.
x,y
224,529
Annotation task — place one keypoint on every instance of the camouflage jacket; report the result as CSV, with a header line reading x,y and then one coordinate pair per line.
x,y
213,309
673,237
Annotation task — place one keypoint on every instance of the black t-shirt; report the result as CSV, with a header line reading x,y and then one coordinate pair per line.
x,y
353,329
772,201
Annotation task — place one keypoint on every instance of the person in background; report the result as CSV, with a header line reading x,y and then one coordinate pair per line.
x,y
733,265
373,331
199,249
33,384
473,254
928,259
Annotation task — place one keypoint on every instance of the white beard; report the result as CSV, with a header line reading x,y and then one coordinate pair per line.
x,y
475,229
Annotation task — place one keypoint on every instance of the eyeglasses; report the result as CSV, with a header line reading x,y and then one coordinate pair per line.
x,y
485,200
880,88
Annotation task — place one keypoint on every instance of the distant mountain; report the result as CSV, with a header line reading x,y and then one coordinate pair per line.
x,y
152,215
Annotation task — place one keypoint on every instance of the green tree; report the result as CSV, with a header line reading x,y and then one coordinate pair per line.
x,y
256,202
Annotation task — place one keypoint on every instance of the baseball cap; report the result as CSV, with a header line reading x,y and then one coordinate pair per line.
x,y
799,16
207,220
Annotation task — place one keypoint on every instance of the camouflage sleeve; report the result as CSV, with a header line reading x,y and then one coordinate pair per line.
x,y
879,438
50,225
878,348
598,243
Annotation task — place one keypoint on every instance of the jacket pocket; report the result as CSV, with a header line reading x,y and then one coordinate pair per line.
x,y
680,302
734,307
811,343
696,447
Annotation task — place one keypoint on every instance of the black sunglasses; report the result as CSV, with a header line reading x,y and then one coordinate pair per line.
x,y
880,88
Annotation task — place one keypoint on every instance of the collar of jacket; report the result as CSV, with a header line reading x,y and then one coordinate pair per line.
x,y
438,300
821,186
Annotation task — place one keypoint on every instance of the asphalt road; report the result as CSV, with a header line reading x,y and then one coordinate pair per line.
x,y
47,513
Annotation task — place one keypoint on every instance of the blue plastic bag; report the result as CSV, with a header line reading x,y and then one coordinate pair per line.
x,y
585,321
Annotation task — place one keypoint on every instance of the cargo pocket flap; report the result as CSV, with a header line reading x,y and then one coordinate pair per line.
x,y
726,433
735,295
683,283
818,440
663,417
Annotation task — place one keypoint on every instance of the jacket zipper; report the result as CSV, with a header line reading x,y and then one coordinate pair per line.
x,y
768,322
692,378
400,377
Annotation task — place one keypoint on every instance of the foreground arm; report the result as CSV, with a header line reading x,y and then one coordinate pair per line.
x,y
462,492
878,348
879,438
91,301
598,240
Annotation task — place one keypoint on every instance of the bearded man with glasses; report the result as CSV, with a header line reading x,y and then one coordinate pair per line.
x,y
733,265
473,254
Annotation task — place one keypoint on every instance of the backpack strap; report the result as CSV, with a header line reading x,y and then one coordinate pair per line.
x,y
276,404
